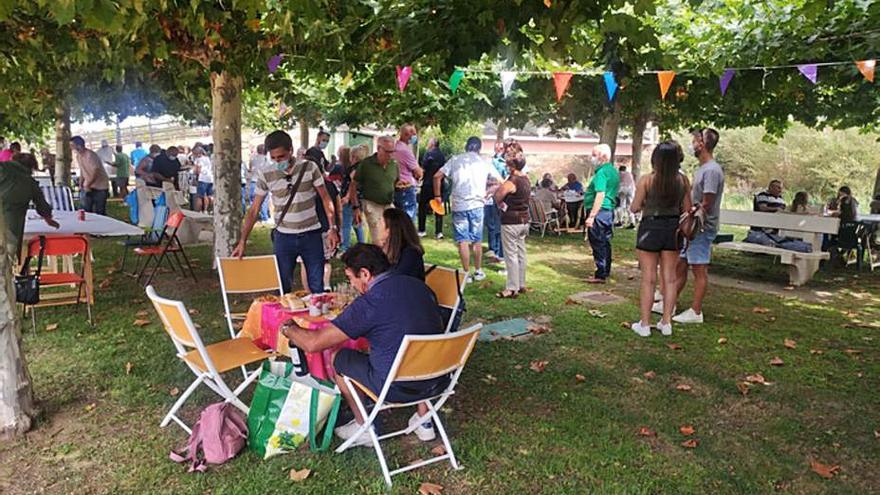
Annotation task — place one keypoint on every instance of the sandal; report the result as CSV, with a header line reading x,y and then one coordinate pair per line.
x,y
505,294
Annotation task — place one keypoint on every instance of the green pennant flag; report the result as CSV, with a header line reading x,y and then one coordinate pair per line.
x,y
455,80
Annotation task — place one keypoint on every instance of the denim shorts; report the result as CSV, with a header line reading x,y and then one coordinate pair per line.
x,y
699,250
467,226
205,189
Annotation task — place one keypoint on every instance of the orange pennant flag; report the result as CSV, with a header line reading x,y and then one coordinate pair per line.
x,y
866,67
665,77
561,81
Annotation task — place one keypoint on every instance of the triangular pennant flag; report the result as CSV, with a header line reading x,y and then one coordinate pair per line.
x,y
561,81
403,74
725,80
507,78
866,67
665,78
810,71
274,62
610,84
455,80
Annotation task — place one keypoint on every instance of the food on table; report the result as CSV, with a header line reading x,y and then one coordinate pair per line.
x,y
293,302
268,299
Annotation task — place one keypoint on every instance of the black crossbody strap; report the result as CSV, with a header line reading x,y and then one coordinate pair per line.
x,y
291,189
25,267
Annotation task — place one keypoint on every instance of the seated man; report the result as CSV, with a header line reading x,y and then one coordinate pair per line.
x,y
769,201
390,306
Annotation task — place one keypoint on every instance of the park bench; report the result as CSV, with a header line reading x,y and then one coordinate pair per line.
x,y
810,228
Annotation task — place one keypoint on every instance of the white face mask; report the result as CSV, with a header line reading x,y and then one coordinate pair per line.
x,y
594,160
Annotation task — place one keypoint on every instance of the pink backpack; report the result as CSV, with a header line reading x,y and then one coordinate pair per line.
x,y
219,435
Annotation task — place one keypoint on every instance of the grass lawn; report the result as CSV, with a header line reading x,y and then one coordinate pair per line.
x,y
515,430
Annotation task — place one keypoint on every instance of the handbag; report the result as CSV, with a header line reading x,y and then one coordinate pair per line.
x,y
27,286
690,223
291,191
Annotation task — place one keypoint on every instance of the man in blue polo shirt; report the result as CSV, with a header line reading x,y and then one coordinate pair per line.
x,y
390,306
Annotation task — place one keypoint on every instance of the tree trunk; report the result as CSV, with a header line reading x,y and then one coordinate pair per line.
x,y
226,125
638,137
303,134
610,126
500,127
63,156
17,410
876,184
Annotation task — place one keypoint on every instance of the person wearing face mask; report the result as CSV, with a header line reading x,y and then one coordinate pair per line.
x,y
145,164
165,167
601,199
297,227
316,152
409,170
706,191
93,178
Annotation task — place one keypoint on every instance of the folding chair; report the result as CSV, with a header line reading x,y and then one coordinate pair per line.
x,y
540,219
150,237
67,246
208,363
60,197
168,243
420,357
448,285
250,275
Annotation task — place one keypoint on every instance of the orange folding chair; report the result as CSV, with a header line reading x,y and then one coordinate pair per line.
x,y
68,246
448,285
169,243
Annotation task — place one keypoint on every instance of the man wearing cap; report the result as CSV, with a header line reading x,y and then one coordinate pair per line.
x,y
92,177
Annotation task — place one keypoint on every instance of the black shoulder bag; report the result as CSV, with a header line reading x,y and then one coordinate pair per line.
x,y
27,286
291,191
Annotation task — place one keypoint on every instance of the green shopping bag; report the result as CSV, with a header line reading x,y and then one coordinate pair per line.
x,y
285,412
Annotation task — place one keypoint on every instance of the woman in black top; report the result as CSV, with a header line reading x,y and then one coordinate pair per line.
x,y
401,244
512,197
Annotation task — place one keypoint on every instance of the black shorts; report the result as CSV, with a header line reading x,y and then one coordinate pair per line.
x,y
356,365
657,234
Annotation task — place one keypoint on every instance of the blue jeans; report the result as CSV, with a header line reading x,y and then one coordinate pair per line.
x,y
347,224
264,209
492,219
310,247
405,199
600,235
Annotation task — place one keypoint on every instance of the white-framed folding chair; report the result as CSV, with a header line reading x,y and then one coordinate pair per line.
x,y
448,285
208,363
420,357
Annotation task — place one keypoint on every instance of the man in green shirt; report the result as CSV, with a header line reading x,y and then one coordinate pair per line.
x,y
375,177
17,189
600,198
123,165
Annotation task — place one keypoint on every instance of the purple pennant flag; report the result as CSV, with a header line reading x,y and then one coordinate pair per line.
x,y
725,80
810,71
274,62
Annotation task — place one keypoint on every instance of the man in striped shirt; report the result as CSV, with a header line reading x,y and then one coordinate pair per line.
x,y
298,233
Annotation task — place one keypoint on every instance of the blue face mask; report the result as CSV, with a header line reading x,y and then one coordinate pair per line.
x,y
414,140
282,165
322,144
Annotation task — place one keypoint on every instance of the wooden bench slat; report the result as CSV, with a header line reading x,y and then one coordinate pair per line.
x,y
781,220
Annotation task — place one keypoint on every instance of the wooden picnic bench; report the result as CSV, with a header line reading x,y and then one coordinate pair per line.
x,y
809,228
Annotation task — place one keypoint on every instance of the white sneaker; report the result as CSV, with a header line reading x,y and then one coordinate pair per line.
x,y
658,308
642,330
688,316
490,254
665,328
424,431
439,236
479,275
422,234
658,297
348,430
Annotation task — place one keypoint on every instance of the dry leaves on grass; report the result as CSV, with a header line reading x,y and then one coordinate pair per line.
x,y
759,310
538,366
776,361
105,284
193,311
853,352
430,489
722,340
438,450
687,430
650,375
174,392
128,367
51,327
690,444
490,379
743,387
580,378
91,406
142,314
756,378
816,352
674,347
790,344
647,432
824,470
141,322
595,313
684,387
538,329
299,474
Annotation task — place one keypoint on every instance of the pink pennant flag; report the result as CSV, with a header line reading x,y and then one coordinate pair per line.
x,y
725,80
810,71
403,74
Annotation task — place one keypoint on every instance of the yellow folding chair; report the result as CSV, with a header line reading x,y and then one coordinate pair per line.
x,y
250,275
207,363
448,285
420,357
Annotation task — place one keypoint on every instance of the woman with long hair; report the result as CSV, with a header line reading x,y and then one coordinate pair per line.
x,y
800,202
662,196
401,244
512,198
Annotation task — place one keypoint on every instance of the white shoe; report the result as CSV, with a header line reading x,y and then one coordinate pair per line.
x,y
479,275
658,297
688,316
424,431
658,308
439,236
490,254
665,328
422,234
348,430
642,330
